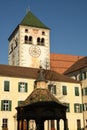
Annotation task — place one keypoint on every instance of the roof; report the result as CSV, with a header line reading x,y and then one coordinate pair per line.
x,y
61,62
40,95
80,64
31,20
32,73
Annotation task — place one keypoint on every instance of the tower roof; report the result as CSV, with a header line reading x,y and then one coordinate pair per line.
x,y
31,20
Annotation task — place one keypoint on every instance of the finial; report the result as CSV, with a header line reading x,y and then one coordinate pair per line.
x,y
41,76
27,9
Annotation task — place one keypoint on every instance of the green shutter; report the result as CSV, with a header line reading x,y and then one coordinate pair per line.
x,y
54,89
81,107
18,87
68,107
74,107
1,105
6,85
64,89
26,87
85,91
10,105
76,91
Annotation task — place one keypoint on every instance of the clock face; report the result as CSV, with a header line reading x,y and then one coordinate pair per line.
x,y
34,51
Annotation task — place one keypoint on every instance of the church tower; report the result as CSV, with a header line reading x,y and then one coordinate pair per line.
x,y
29,44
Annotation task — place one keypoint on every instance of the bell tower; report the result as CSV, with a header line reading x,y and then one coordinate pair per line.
x,y
29,44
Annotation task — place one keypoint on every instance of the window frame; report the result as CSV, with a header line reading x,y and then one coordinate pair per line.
x,y
21,89
6,86
52,88
76,91
64,90
6,105
5,123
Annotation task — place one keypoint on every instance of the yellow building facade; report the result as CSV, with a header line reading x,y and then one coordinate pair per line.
x,y
29,48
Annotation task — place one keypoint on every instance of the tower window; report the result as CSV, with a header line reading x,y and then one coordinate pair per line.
x,y
38,41
26,30
30,39
43,33
42,41
26,39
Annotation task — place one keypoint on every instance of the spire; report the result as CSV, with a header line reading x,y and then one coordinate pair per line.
x,y
41,76
31,20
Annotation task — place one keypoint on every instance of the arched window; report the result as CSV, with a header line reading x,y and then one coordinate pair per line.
x,y
30,39
38,41
26,39
42,41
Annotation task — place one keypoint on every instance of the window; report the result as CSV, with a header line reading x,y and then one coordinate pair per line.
x,y
86,123
42,41
78,124
22,87
30,39
83,75
78,108
4,123
43,33
6,86
19,103
76,91
52,88
26,39
68,107
26,30
85,106
64,90
84,91
38,41
6,105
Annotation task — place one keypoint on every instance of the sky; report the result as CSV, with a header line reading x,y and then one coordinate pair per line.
x,y
67,20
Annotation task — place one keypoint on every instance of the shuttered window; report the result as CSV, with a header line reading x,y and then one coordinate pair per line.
x,y
78,108
76,91
68,107
64,90
22,87
6,105
6,86
52,88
